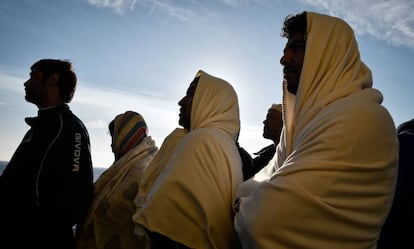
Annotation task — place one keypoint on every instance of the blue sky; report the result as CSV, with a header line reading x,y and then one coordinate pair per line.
x,y
141,55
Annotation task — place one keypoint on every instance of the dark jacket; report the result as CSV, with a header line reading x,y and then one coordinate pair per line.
x,y
253,165
397,231
263,157
47,187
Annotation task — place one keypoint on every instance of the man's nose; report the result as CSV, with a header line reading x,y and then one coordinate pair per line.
x,y
282,60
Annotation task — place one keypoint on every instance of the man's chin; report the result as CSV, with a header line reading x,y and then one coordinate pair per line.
x,y
292,88
28,99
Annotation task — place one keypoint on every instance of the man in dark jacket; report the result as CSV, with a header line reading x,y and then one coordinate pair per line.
x,y
272,127
47,186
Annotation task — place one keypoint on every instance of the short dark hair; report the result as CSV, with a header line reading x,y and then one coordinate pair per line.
x,y
67,77
293,24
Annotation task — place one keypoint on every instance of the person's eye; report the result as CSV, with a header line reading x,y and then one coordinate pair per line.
x,y
297,45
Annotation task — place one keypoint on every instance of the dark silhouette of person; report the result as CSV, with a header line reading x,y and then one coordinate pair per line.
x,y
396,231
47,187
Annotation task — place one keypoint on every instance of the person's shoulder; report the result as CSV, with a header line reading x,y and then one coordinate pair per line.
x,y
198,136
269,148
72,121
406,136
202,138
176,134
357,113
69,114
407,125
207,135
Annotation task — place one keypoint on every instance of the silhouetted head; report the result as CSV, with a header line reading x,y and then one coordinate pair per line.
x,y
127,131
294,29
54,72
273,124
186,103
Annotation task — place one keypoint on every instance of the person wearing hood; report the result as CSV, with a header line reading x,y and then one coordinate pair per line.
x,y
108,223
333,179
185,197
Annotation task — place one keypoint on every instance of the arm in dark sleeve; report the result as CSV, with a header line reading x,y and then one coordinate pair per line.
x,y
70,180
247,163
81,181
401,213
263,157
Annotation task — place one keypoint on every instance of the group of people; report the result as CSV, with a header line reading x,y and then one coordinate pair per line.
x,y
328,179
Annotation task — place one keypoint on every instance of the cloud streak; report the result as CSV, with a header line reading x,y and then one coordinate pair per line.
x,y
97,106
164,6
119,6
390,21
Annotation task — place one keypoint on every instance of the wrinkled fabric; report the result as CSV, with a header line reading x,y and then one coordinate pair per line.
x,y
151,174
191,200
109,221
333,177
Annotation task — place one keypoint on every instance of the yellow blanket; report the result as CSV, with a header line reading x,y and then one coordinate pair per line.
x,y
109,221
333,177
191,199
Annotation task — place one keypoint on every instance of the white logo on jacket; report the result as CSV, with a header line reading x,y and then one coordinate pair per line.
x,y
77,152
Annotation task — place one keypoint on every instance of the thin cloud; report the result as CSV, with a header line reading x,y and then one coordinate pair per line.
x,y
11,84
235,3
391,21
169,8
98,123
165,6
96,106
119,6
100,105
232,2
112,100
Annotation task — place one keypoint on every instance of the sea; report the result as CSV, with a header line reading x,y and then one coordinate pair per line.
x,y
97,171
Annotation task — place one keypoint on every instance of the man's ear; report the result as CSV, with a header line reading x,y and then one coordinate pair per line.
x,y
53,79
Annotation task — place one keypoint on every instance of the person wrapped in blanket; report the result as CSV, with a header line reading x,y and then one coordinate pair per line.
x,y
108,223
334,175
185,196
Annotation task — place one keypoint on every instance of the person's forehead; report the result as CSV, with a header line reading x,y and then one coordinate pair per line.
x,y
192,85
36,72
272,112
297,36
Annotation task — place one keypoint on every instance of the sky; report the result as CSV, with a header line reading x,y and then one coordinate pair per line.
x,y
141,55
